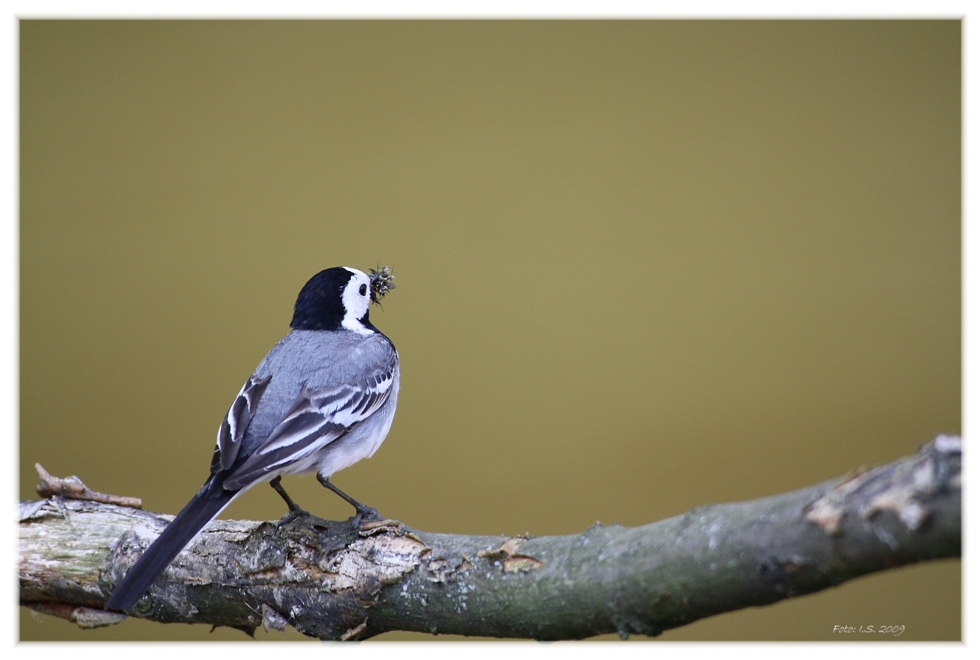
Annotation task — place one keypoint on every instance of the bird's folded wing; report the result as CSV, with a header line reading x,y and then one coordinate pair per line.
x,y
316,418
233,426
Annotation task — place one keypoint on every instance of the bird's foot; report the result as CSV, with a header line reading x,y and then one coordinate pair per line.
x,y
364,514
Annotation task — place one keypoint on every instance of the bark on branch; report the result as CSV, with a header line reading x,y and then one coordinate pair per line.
x,y
310,574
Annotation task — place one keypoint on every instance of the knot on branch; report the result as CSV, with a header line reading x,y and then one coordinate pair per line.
x,y
905,488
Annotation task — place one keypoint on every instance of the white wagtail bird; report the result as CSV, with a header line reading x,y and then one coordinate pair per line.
x,y
322,399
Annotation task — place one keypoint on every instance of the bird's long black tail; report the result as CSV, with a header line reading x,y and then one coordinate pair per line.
x,y
207,504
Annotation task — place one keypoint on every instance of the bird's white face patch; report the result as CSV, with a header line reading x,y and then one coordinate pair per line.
x,y
356,297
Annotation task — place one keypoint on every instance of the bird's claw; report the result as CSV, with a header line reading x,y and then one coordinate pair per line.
x,y
364,514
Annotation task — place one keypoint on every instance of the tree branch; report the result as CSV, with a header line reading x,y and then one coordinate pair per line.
x,y
310,574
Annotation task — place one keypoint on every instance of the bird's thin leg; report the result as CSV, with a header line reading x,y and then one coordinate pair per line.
x,y
293,507
363,511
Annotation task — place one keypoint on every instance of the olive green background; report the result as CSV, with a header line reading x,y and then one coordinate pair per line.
x,y
641,266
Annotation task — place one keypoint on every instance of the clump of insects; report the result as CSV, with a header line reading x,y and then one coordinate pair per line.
x,y
382,281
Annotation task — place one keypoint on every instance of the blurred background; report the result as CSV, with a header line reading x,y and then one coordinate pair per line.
x,y
641,266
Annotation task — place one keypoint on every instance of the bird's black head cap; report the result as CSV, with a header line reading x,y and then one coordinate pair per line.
x,y
321,303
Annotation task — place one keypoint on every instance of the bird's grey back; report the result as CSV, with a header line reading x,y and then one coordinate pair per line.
x,y
316,360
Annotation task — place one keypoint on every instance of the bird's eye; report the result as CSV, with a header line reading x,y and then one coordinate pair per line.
x,y
363,290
